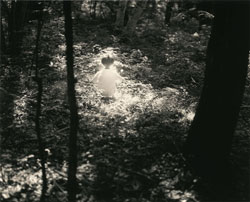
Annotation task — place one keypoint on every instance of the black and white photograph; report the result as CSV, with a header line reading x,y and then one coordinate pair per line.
x,y
125,101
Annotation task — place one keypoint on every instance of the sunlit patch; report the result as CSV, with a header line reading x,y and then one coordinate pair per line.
x,y
125,99
19,179
181,196
62,47
20,114
190,116
132,99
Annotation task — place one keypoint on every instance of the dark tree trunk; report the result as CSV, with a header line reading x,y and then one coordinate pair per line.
x,y
168,12
210,136
72,183
38,80
40,141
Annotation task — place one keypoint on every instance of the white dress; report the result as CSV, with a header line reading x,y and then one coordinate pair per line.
x,y
106,80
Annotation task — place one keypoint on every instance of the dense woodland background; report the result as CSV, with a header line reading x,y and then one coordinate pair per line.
x,y
61,141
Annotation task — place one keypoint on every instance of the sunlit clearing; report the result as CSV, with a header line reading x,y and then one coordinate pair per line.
x,y
132,98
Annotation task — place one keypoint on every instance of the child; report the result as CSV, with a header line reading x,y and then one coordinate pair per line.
x,y
107,78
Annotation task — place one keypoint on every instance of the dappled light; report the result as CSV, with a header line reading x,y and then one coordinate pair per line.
x,y
132,123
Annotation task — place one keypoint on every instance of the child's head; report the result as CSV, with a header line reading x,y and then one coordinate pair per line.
x,y
107,61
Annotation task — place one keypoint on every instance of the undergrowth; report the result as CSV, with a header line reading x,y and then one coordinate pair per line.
x,y
129,147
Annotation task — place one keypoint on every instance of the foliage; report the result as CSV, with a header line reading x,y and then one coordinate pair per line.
x,y
129,148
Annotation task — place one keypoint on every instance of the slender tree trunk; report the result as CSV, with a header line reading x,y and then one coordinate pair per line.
x,y
41,148
131,25
40,141
210,136
72,181
120,15
168,12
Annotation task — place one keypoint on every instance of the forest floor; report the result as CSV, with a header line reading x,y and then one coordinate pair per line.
x,y
130,146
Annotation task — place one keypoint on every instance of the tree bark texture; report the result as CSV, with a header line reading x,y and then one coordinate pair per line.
x,y
211,132
72,181
120,15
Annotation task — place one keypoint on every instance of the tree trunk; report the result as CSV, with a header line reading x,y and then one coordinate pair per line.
x,y
210,136
72,183
168,12
39,137
120,15
131,25
39,82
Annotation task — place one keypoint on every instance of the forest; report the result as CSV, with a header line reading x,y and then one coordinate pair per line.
x,y
175,128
